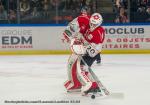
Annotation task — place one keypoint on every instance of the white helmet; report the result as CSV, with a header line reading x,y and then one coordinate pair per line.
x,y
95,21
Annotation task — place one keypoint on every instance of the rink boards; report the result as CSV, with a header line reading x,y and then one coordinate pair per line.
x,y
45,39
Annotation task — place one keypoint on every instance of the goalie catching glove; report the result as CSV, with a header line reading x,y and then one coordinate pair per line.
x,y
79,48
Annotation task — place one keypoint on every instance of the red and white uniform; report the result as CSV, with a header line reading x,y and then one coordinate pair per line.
x,y
78,25
77,74
97,36
83,21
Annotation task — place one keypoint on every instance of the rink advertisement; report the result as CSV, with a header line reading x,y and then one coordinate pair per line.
x,y
30,38
15,39
48,38
127,37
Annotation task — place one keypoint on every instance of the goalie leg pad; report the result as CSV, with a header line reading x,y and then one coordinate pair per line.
x,y
85,78
72,82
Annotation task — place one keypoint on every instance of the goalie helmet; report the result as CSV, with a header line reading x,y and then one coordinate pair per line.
x,y
95,21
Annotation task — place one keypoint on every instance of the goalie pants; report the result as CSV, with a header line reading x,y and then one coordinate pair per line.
x,y
89,60
78,75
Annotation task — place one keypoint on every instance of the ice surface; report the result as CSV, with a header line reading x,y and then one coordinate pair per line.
x,y
41,77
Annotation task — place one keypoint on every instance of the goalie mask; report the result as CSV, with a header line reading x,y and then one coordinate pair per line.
x,y
95,21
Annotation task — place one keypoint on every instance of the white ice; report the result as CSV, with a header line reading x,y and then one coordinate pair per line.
x,y
41,77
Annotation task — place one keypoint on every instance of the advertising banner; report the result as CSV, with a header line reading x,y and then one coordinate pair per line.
x,y
127,37
49,38
31,38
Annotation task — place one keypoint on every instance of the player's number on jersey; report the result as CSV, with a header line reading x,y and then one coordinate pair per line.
x,y
91,51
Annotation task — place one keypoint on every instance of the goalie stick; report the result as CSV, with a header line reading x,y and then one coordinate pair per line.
x,y
101,86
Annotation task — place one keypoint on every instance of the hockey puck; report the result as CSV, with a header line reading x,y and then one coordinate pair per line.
x,y
93,96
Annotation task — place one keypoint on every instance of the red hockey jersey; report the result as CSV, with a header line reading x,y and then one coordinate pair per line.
x,y
83,21
97,36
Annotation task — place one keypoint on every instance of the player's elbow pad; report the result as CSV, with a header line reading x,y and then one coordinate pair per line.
x,y
72,28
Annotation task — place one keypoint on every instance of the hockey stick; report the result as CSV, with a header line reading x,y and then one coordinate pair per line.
x,y
101,86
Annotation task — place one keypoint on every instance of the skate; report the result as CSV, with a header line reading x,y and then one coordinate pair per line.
x,y
93,93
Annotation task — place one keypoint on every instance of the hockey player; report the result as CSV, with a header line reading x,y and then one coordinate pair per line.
x,y
85,37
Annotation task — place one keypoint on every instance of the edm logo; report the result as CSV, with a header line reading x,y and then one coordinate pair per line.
x,y
13,40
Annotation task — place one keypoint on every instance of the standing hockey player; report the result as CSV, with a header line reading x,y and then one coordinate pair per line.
x,y
85,36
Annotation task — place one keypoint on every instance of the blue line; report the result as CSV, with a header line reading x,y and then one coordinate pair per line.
x,y
57,25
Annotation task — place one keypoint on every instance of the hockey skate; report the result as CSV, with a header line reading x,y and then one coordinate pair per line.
x,y
93,93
